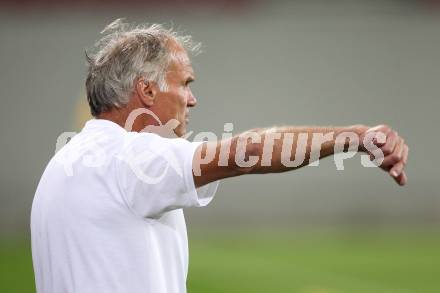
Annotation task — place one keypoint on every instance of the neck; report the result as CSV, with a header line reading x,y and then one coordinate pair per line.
x,y
115,115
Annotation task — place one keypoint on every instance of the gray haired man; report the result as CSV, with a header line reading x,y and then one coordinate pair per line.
x,y
112,220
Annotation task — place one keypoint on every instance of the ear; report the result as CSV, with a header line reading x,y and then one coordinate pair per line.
x,y
146,91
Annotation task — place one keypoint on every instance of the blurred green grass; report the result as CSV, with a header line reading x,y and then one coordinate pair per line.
x,y
315,262
285,261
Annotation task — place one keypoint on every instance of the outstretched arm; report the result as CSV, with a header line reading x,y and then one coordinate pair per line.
x,y
280,149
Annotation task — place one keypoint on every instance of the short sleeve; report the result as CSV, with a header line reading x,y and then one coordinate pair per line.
x,y
155,175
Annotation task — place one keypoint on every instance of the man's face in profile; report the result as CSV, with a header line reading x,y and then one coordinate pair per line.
x,y
173,103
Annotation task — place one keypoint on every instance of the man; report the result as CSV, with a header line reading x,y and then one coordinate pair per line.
x,y
107,214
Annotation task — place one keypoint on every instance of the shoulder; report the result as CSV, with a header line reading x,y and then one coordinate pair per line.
x,y
135,141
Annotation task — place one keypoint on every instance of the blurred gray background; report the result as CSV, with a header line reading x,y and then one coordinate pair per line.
x,y
264,63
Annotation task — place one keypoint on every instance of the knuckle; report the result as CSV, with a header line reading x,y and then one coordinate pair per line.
x,y
395,157
386,150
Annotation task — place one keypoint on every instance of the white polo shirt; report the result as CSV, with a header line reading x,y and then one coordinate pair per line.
x,y
107,214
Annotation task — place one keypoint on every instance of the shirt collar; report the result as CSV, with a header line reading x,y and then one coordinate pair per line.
x,y
103,123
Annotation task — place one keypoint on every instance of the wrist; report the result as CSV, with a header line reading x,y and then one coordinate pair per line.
x,y
360,130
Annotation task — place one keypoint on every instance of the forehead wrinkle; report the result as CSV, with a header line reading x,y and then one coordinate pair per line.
x,y
180,62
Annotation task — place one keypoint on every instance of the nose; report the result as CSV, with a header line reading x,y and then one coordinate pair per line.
x,y
192,101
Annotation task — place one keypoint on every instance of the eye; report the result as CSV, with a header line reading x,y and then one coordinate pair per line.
x,y
188,81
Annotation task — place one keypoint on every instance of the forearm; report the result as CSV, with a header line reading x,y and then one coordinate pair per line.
x,y
268,150
280,149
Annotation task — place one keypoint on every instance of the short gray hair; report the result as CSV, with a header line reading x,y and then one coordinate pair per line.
x,y
126,53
